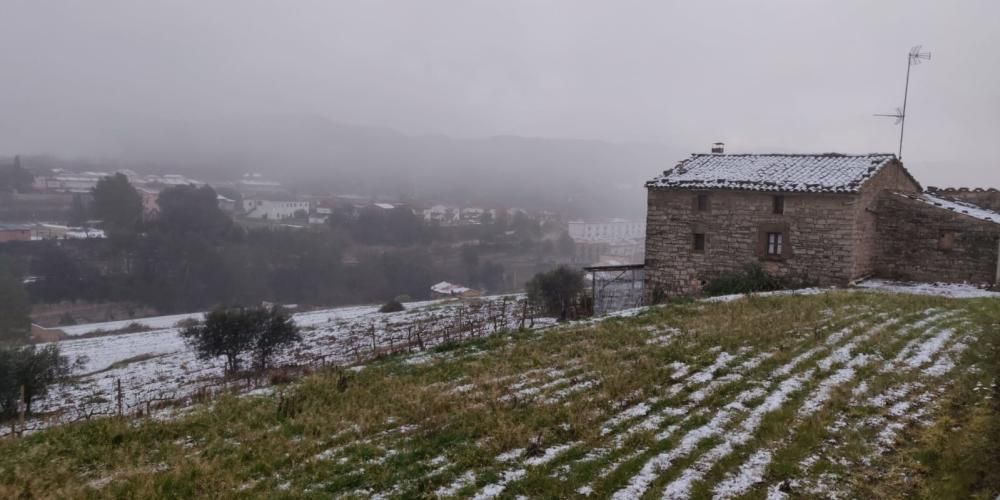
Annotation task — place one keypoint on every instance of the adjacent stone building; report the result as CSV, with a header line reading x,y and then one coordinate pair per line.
x,y
926,237
826,219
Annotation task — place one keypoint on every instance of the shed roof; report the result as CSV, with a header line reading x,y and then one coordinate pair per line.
x,y
956,206
449,288
805,173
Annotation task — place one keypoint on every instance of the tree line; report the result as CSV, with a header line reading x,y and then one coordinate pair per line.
x,y
192,256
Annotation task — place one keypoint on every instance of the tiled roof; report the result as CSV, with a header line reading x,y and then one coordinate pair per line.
x,y
957,206
807,173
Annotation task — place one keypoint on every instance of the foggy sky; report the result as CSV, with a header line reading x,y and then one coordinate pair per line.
x,y
786,76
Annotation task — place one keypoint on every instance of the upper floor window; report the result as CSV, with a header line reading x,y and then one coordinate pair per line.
x,y
702,203
779,204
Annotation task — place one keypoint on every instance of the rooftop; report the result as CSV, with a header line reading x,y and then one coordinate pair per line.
x,y
449,288
957,206
805,173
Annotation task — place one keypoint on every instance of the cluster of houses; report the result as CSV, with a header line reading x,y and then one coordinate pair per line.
x,y
65,181
319,210
44,231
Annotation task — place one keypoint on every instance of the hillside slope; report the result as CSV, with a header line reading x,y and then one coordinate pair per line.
x,y
837,394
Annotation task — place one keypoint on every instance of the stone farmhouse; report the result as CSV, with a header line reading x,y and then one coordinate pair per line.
x,y
827,219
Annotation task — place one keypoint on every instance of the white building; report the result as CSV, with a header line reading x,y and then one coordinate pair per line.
x,y
442,214
64,181
256,183
256,208
607,230
169,180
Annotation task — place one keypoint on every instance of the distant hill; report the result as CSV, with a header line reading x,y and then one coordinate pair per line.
x,y
584,178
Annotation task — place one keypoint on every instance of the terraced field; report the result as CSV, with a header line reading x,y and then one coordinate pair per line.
x,y
829,395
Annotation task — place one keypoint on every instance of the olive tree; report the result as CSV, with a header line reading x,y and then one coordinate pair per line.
x,y
232,332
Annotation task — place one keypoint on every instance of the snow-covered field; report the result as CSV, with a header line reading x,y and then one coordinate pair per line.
x,y
156,366
704,429
950,290
793,396
158,322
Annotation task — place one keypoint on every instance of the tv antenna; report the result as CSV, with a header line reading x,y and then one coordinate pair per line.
x,y
914,58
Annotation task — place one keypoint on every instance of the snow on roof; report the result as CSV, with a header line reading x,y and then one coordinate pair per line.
x,y
958,206
385,206
808,173
449,288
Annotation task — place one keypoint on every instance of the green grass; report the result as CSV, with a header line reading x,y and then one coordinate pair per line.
x,y
406,429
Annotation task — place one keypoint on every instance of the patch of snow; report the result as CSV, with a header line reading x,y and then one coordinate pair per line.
x,y
958,206
750,474
709,372
494,490
452,489
950,290
510,455
681,487
928,349
549,455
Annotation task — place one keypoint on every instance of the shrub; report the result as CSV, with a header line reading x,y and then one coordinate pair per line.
x,y
275,330
556,290
32,368
391,307
229,333
752,278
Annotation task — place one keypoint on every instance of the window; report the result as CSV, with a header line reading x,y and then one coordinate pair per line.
x,y
702,202
699,242
779,204
775,244
946,240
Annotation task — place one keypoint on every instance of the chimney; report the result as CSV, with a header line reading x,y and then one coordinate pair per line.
x,y
718,148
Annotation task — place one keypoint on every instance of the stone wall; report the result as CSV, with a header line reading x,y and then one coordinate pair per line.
x,y
892,177
986,198
820,228
921,242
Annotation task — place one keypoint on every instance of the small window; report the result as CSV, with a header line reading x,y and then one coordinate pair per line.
x,y
702,202
775,244
779,204
699,242
946,241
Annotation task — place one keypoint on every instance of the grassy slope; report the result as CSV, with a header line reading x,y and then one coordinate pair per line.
x,y
409,429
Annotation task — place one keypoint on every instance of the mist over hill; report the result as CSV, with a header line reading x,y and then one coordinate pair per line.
x,y
312,154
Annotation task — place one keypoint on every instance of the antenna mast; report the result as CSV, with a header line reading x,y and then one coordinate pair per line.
x,y
912,59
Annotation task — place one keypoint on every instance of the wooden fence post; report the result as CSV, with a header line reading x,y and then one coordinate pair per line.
x,y
119,397
22,407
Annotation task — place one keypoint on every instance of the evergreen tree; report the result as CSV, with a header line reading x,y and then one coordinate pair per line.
x,y
118,204
275,331
15,178
186,210
77,215
229,333
15,322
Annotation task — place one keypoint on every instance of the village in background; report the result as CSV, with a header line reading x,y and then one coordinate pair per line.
x,y
48,213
